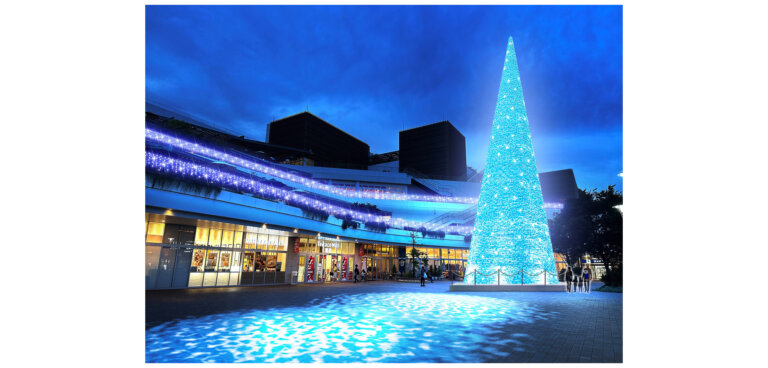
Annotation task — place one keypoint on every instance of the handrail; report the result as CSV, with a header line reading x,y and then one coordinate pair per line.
x,y
521,272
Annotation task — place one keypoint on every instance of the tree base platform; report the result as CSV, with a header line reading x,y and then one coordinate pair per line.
x,y
465,287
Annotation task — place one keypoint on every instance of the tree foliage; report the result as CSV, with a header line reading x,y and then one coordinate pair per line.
x,y
591,224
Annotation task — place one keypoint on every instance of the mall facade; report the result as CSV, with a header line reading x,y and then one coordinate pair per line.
x,y
223,210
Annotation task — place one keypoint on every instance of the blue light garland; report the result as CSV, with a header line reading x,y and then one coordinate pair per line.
x,y
511,232
184,169
155,136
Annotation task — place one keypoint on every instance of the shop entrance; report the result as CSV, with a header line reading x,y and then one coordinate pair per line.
x,y
322,268
377,268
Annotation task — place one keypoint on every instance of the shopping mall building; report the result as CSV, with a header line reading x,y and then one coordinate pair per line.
x,y
307,205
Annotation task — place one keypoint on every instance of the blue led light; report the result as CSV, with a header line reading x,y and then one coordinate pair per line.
x,y
511,232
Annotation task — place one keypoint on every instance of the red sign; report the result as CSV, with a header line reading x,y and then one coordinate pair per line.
x,y
296,246
310,268
362,251
344,268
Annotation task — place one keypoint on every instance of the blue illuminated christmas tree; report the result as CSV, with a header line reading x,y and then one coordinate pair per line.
x,y
511,232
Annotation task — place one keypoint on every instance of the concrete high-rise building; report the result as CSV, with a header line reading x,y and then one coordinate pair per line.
x,y
437,151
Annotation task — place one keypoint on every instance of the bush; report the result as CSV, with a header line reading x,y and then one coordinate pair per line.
x,y
613,277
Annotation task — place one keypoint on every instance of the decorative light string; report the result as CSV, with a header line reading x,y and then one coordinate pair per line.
x,y
156,136
190,170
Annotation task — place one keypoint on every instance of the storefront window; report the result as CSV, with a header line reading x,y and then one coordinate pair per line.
x,y
302,267
234,275
201,236
211,260
261,241
222,279
238,240
155,232
249,262
197,261
227,237
214,240
282,243
211,266
235,267
250,240
224,261
196,270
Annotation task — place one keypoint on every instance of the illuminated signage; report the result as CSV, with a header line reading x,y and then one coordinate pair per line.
x,y
328,243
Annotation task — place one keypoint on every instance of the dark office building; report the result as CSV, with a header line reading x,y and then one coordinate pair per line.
x,y
558,186
437,151
330,146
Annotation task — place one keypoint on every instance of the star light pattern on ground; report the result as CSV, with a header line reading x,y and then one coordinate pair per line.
x,y
511,232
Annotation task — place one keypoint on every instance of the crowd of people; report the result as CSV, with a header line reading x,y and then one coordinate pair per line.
x,y
423,275
578,279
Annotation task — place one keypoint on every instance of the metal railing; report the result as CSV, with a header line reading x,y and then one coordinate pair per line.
x,y
522,274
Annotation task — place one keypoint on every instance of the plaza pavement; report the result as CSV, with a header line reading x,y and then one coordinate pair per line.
x,y
575,327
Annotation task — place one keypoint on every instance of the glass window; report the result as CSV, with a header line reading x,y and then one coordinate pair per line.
x,y
211,260
280,267
155,232
302,266
235,263
250,240
270,261
197,261
238,240
227,237
262,240
282,243
201,236
225,261
214,239
248,262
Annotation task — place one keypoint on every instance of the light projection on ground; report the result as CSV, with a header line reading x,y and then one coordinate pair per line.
x,y
393,327
510,240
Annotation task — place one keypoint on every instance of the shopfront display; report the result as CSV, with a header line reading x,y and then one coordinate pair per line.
x,y
377,260
190,253
323,259
199,253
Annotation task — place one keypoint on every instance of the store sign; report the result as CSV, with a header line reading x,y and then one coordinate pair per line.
x,y
328,243
591,261
362,251
253,238
296,246
344,268
311,269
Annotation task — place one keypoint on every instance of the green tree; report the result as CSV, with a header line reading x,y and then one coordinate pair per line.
x,y
415,255
590,223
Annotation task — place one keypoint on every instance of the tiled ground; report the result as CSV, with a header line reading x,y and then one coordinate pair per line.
x,y
546,327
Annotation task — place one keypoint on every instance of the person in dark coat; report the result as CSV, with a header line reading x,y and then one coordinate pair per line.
x,y
357,273
423,276
569,279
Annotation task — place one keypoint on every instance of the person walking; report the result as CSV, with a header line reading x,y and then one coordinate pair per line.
x,y
569,279
364,280
357,274
577,279
423,275
587,280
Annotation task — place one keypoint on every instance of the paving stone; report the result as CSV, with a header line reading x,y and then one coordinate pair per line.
x,y
575,327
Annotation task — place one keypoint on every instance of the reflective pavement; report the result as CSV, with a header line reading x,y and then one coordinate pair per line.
x,y
381,321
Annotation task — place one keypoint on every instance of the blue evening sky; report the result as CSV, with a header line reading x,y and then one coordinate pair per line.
x,y
372,70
